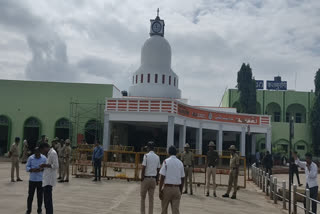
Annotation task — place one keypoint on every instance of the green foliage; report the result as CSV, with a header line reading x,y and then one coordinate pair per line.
x,y
247,89
315,115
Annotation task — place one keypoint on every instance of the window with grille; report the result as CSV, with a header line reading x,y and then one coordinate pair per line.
x,y
163,79
277,117
148,78
298,118
156,78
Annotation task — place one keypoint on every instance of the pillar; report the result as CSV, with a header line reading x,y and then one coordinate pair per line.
x,y
268,140
243,142
253,144
182,136
199,140
106,132
220,140
170,132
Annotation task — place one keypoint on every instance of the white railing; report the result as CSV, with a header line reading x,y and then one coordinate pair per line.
x,y
271,187
142,105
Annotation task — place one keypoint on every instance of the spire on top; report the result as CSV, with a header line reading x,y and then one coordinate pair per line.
x,y
158,12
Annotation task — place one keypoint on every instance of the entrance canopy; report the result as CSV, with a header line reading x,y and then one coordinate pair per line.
x,y
173,113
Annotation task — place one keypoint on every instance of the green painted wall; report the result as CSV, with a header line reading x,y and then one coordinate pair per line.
x,y
291,102
47,101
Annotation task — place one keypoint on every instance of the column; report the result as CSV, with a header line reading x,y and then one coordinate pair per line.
x,y
106,133
243,142
268,140
182,136
253,144
220,140
170,132
199,140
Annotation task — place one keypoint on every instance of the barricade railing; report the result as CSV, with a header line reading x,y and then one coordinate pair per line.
x,y
127,165
278,191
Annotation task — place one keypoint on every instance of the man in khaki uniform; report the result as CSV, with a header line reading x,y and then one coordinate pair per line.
x,y
149,177
61,158
212,158
66,162
234,171
14,155
187,159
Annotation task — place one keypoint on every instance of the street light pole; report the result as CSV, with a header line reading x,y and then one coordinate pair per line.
x,y
291,135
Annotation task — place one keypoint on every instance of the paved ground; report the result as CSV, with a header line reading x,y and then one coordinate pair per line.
x,y
82,196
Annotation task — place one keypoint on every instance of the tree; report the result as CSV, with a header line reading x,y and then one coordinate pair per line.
x,y
315,115
247,89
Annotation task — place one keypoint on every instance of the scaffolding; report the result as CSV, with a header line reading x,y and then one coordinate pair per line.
x,y
86,122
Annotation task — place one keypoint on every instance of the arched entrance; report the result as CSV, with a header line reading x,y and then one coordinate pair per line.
x,y
274,110
92,131
31,131
62,128
4,134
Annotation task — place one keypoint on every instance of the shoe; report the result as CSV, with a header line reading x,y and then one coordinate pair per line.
x,y
214,194
61,181
207,194
191,193
185,192
19,179
66,181
226,195
94,180
12,180
234,197
59,178
300,185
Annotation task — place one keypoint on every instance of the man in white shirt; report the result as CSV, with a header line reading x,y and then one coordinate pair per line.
x,y
49,175
149,177
171,182
311,171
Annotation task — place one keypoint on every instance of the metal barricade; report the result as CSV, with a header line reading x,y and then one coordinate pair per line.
x,y
82,162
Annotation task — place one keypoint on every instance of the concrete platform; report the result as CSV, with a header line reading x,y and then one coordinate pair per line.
x,y
82,196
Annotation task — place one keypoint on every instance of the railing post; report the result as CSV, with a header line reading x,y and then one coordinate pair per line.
x,y
284,194
294,199
271,187
264,181
253,174
267,186
261,175
307,200
275,185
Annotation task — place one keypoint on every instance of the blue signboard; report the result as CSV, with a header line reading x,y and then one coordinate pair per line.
x,y
259,84
276,85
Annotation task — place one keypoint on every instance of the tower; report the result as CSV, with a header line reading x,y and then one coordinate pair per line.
x,y
154,77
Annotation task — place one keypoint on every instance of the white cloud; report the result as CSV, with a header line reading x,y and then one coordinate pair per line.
x,y
100,41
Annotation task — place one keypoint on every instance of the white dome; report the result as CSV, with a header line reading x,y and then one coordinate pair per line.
x,y
156,55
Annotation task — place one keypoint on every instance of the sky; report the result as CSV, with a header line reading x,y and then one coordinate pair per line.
x,y
96,41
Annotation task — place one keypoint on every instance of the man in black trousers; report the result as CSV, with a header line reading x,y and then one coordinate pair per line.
x,y
294,170
96,160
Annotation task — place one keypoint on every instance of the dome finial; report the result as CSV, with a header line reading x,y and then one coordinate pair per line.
x,y
158,12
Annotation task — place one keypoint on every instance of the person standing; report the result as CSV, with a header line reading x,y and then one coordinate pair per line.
x,y
61,158
268,163
66,162
14,155
171,182
187,159
35,181
233,174
212,158
149,177
96,160
25,152
49,175
311,171
294,169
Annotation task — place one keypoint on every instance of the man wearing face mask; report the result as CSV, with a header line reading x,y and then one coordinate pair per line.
x,y
311,171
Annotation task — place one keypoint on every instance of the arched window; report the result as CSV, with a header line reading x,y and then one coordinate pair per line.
x,y
4,134
31,132
156,78
298,112
62,129
169,80
274,110
141,78
148,78
163,79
